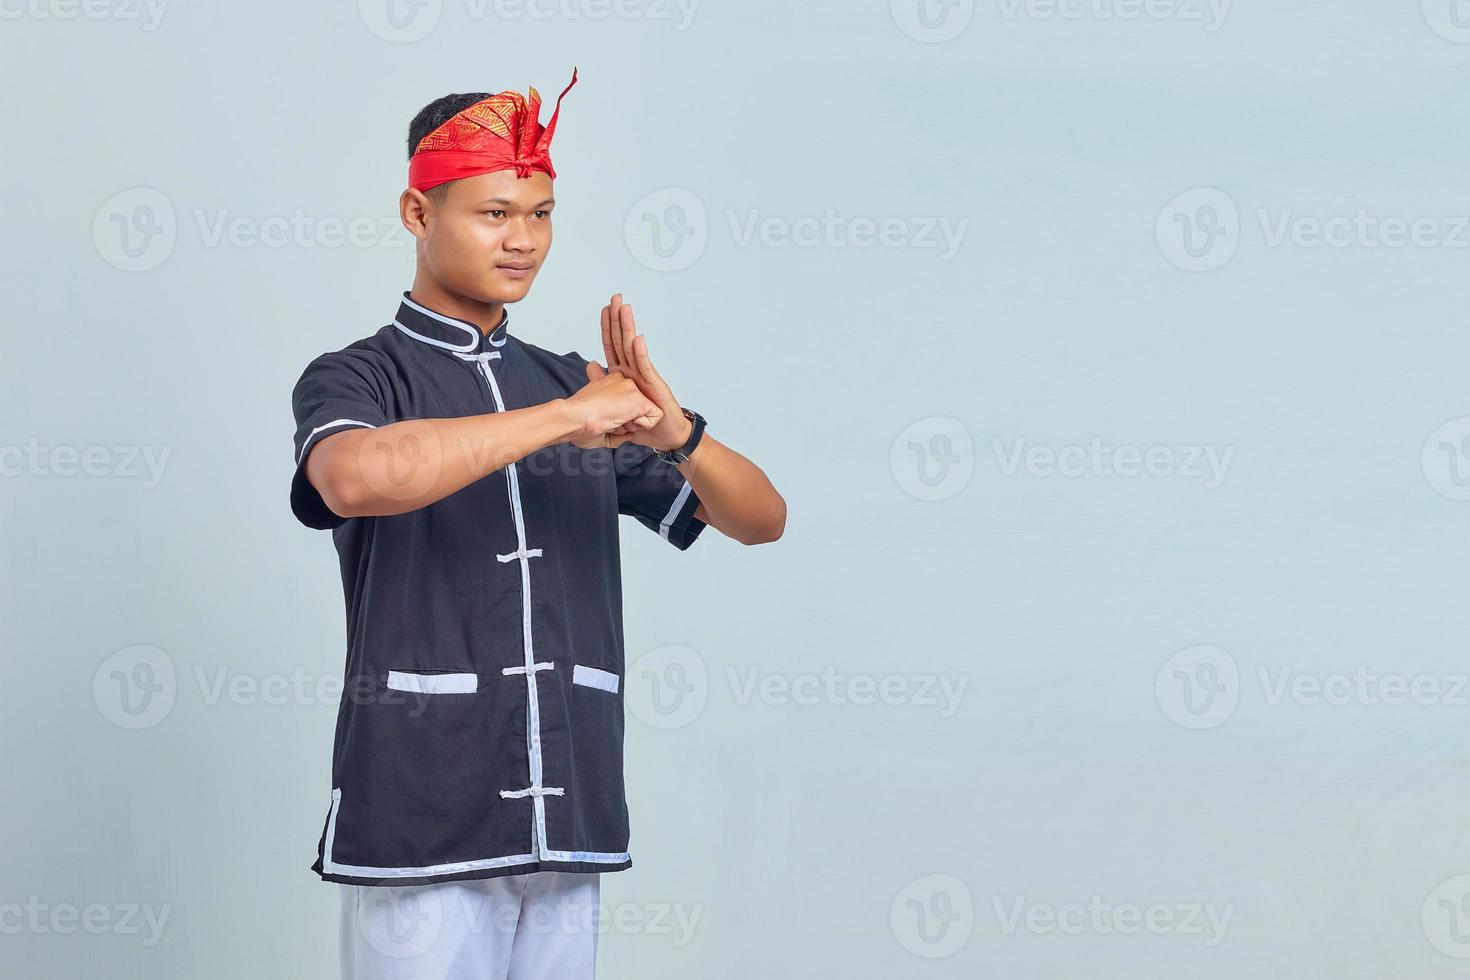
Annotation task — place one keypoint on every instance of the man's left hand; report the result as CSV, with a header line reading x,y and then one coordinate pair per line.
x,y
627,351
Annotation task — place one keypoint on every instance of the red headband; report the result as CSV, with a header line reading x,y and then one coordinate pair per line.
x,y
497,133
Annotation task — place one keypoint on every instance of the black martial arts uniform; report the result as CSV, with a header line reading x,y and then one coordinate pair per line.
x,y
480,731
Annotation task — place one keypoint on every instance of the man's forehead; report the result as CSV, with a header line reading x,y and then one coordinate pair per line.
x,y
503,186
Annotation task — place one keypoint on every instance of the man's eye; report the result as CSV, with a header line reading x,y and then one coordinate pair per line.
x,y
543,214
495,213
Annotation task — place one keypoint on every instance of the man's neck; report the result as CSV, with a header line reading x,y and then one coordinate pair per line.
x,y
486,316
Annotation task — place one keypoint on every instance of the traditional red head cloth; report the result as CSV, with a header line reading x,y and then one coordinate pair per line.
x,y
497,133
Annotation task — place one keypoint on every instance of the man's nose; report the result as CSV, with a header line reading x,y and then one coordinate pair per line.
x,y
518,237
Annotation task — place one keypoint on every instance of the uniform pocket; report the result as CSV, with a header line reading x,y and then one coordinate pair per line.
x,y
603,680
433,682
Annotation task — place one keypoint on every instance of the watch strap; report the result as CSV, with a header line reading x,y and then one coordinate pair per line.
x,y
681,454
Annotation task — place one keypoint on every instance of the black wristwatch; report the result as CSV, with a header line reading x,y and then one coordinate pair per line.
x,y
681,454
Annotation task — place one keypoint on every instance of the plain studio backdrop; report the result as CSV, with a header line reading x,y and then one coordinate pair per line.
x,y
1109,353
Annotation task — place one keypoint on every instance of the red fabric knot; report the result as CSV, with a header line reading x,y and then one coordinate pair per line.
x,y
496,133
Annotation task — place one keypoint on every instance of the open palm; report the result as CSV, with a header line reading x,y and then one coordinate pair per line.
x,y
627,351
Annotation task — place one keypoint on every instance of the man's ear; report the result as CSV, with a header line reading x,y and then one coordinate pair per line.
x,y
413,211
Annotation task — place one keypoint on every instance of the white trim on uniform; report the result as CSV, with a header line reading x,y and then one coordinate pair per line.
x,y
436,870
468,328
404,680
322,428
603,680
523,554
457,348
361,871
593,857
542,665
515,794
674,508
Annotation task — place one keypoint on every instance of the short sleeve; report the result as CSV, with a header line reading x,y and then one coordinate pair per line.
x,y
656,493
337,391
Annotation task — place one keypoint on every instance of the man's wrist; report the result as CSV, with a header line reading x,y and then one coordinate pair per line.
x,y
565,419
684,437
693,437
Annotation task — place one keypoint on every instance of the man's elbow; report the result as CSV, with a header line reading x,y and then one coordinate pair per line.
x,y
342,489
770,529
342,497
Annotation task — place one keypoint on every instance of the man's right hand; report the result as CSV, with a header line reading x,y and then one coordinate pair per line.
x,y
609,400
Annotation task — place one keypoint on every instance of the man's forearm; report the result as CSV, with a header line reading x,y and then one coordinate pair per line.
x,y
735,496
407,465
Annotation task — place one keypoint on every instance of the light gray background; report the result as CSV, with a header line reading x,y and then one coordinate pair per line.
x,y
1117,644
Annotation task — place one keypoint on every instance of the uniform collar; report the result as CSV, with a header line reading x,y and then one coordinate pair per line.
x,y
446,332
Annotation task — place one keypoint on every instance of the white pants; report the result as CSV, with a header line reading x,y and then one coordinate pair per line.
x,y
517,927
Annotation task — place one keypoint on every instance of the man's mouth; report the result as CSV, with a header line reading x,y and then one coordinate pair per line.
x,y
516,270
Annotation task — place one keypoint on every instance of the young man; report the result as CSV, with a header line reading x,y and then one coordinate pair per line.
x,y
473,481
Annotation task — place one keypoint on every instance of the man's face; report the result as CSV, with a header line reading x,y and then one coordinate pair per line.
x,y
487,237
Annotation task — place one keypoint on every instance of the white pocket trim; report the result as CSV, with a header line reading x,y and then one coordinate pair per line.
x,y
403,680
603,680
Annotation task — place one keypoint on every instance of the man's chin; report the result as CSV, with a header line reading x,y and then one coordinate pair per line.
x,y
501,291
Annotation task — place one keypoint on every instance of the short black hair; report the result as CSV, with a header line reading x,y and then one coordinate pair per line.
x,y
434,115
